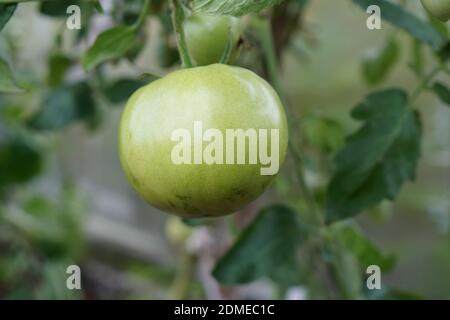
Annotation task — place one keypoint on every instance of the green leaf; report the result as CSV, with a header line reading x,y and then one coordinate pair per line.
x,y
417,28
58,66
302,3
21,157
98,6
63,106
442,92
232,7
56,8
322,132
417,63
122,89
268,244
111,44
378,158
377,67
354,241
6,12
7,82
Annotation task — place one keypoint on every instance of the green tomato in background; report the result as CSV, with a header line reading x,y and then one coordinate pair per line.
x,y
176,231
207,36
438,8
221,97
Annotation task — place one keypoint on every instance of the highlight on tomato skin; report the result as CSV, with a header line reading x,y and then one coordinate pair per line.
x,y
214,107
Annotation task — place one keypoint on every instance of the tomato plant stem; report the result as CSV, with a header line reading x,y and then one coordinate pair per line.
x,y
326,238
142,15
183,276
265,34
177,21
425,82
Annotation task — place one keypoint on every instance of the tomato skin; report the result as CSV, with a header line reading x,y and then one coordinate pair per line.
x,y
438,8
222,97
207,36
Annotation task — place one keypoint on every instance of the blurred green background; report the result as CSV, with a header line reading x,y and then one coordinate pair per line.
x,y
81,210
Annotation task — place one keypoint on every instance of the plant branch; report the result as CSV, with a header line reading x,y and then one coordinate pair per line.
x,y
178,16
266,38
142,15
183,276
425,82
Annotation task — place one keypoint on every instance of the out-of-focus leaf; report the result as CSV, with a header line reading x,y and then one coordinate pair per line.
x,y
398,16
378,158
6,12
323,132
302,3
63,106
7,82
57,8
149,77
21,157
377,66
442,92
135,50
110,44
232,7
122,89
268,244
98,6
354,241
53,228
53,283
417,62
58,66
167,55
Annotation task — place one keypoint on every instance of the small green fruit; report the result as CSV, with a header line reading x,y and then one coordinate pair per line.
x,y
207,36
438,8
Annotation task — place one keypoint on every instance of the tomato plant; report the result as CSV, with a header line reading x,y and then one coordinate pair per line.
x,y
286,146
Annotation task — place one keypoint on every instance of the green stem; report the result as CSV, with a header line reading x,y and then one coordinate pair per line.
x,y
273,69
425,82
142,15
183,276
265,33
177,21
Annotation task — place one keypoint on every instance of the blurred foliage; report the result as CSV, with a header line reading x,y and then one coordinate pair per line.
x,y
39,238
310,239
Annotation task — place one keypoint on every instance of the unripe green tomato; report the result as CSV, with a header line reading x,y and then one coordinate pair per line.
x,y
176,231
438,8
221,98
207,36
